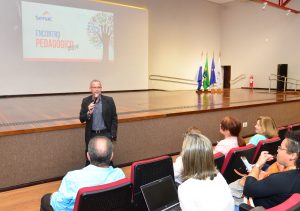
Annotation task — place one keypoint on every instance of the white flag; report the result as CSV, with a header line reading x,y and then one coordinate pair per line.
x,y
219,74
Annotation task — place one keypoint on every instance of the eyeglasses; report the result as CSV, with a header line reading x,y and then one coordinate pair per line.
x,y
280,147
96,87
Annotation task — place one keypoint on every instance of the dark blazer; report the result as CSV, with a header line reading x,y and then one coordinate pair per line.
x,y
109,115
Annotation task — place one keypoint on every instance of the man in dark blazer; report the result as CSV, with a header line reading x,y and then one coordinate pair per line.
x,y
99,114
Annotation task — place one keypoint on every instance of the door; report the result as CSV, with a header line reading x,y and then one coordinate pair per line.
x,y
227,76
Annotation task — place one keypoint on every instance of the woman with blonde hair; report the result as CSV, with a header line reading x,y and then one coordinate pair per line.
x,y
265,128
204,188
178,166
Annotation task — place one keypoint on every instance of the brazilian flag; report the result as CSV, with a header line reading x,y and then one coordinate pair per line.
x,y
206,82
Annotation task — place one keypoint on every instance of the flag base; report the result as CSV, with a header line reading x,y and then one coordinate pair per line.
x,y
219,90
202,91
212,91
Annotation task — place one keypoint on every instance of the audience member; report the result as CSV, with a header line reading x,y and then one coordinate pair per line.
x,y
178,166
277,187
230,128
100,154
204,188
265,128
237,187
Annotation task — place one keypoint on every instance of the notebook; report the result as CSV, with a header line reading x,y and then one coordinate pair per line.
x,y
161,195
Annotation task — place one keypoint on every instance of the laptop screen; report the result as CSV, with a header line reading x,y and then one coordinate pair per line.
x,y
160,194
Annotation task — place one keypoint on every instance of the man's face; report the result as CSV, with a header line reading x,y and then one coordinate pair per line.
x,y
96,88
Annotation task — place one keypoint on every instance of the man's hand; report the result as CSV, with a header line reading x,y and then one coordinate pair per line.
x,y
91,108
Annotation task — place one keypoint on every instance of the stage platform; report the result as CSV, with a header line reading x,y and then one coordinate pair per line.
x,y
43,113
41,137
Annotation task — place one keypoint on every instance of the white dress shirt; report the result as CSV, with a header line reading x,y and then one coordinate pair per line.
x,y
206,195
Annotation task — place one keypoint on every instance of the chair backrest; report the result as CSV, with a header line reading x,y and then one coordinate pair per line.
x,y
282,131
112,196
270,145
291,204
146,171
219,160
295,127
233,161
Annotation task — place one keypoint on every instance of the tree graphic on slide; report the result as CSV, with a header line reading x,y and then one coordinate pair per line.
x,y
100,32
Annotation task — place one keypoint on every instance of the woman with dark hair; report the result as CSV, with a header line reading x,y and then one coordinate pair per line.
x,y
277,187
230,128
204,188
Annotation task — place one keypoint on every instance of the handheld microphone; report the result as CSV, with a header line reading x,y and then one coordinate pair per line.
x,y
95,100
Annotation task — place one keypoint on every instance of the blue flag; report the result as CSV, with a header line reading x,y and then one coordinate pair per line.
x,y
212,73
199,79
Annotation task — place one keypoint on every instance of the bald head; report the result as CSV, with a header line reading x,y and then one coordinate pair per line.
x,y
100,151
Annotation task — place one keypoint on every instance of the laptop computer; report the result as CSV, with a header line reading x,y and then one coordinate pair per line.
x,y
161,195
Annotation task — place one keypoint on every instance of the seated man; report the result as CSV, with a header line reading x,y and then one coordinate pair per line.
x,y
100,154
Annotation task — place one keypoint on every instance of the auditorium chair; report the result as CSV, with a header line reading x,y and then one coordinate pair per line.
x,y
219,160
295,127
233,161
146,171
270,145
282,131
291,204
112,196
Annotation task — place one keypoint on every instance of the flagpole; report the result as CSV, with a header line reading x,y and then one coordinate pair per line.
x,y
220,82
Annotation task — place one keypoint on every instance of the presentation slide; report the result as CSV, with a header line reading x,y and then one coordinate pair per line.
x,y
58,33
59,46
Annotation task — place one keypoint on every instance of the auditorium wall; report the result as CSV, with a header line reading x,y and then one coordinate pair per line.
x,y
255,40
179,31
251,40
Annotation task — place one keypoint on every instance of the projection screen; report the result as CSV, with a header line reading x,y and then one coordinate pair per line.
x,y
58,46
